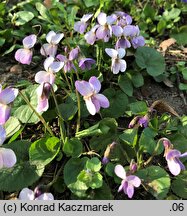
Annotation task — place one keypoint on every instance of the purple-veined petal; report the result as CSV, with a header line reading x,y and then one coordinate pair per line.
x,y
86,17
86,63
138,42
42,105
174,167
103,101
101,18
84,88
43,76
29,41
134,180
121,52
101,32
90,106
90,37
130,31
48,50
74,53
120,172
172,154
4,113
48,62
8,95
95,83
49,36
112,52
68,66
123,65
57,38
26,194
8,157
130,191
111,19
180,164
2,135
117,30
24,56
56,66
96,104
128,19
45,196
115,66
80,27
62,58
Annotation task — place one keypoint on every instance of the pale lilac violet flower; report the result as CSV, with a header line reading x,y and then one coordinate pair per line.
x,y
172,157
46,79
90,36
50,48
43,92
86,63
123,19
7,96
68,61
138,42
89,90
81,25
27,194
104,31
132,33
128,182
118,64
24,55
7,156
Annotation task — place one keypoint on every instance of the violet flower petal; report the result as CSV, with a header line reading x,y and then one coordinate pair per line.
x,y
8,157
49,36
29,41
26,194
24,56
130,191
96,104
174,167
120,171
2,135
90,106
101,32
84,88
4,113
86,17
134,180
172,154
95,83
102,18
117,30
112,52
48,50
103,101
48,62
8,95
57,38
43,76
45,196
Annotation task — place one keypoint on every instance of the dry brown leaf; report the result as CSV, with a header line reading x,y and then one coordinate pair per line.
x,y
166,44
162,106
48,3
168,83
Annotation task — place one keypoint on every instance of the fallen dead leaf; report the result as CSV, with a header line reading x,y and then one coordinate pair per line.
x,y
166,44
16,69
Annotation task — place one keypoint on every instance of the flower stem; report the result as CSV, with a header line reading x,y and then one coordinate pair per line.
x,y
34,110
61,120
